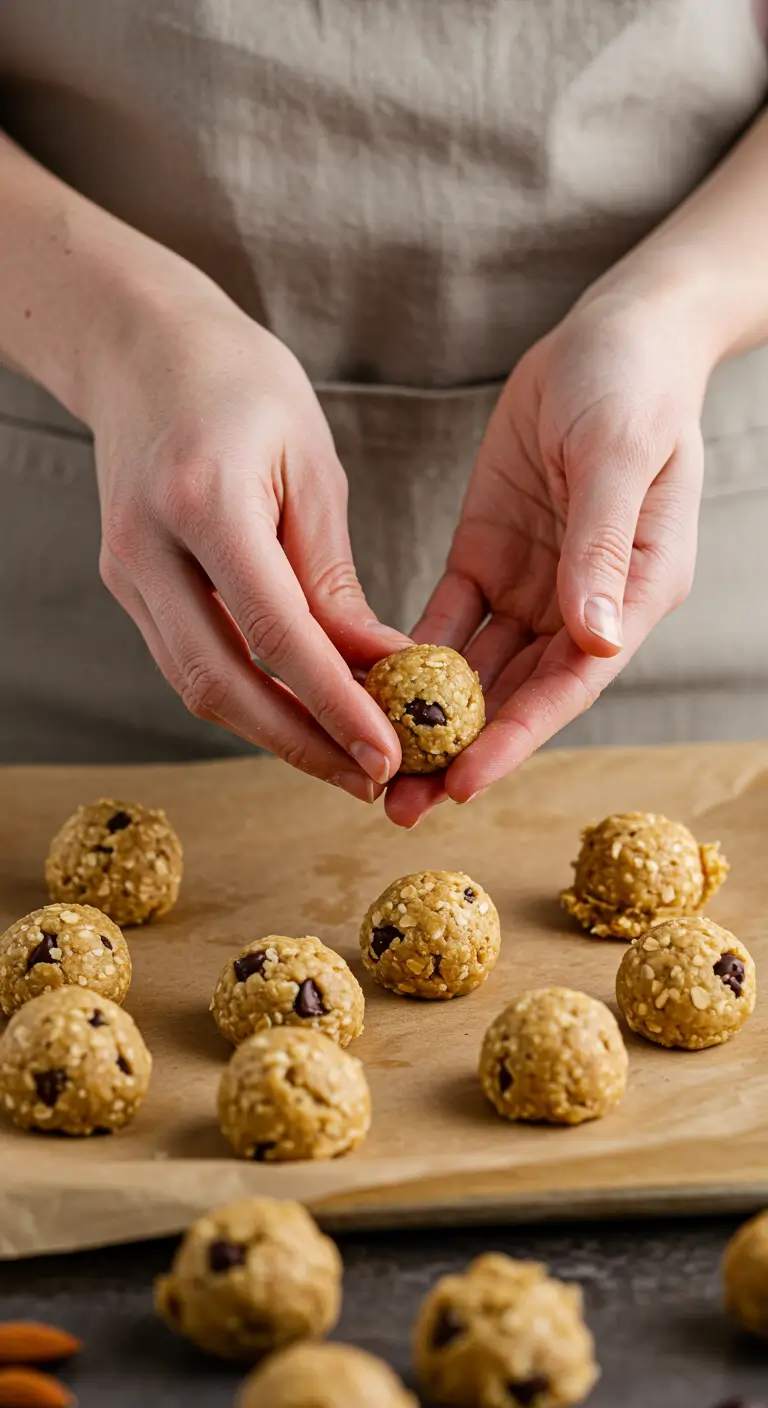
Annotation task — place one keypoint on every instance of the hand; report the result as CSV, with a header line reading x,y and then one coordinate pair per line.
x,y
225,535
578,531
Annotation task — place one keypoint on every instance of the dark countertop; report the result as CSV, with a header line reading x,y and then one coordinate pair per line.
x,y
652,1291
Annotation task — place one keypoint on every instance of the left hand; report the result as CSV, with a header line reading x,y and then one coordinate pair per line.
x,y
578,532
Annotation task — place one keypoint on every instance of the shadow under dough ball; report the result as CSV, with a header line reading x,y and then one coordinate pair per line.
x,y
434,701
250,1278
637,867
124,858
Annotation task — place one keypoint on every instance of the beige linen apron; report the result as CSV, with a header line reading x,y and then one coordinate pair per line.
x,y
408,193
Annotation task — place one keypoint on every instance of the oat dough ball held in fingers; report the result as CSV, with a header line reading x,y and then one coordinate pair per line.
x,y
434,934
72,1062
554,1055
434,701
504,1334
120,856
279,981
639,867
324,1376
293,1094
62,945
250,1278
686,983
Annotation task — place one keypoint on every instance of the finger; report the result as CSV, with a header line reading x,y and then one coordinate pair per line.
x,y
315,538
494,646
605,499
516,672
453,614
254,578
409,799
195,644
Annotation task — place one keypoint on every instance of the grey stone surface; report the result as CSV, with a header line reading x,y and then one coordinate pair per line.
x,y
652,1290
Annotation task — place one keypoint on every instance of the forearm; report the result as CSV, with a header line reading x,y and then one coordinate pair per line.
x,y
72,281
708,261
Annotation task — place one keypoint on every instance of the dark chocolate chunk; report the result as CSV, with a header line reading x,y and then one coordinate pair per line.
x,y
49,1085
103,850
732,971
222,1256
249,963
107,943
118,822
309,1000
41,953
446,1328
528,1391
97,1019
382,938
505,1079
260,1151
124,1065
470,894
425,714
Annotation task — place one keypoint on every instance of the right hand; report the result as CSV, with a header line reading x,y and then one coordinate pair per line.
x,y
225,537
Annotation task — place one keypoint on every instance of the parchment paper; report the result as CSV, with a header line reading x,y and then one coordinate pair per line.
x,y
269,851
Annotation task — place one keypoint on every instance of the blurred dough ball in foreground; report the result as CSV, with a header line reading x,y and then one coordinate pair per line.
x,y
324,1376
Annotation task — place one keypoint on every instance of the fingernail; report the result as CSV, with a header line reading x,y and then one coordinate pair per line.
x,y
360,787
602,617
474,795
371,760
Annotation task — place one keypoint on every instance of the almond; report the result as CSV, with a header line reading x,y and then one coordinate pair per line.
x,y
27,1342
28,1388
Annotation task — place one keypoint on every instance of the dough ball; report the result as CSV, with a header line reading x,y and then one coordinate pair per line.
x,y
434,701
324,1376
279,981
62,944
434,934
292,1093
686,983
250,1278
72,1062
502,1335
745,1275
638,867
554,1055
119,856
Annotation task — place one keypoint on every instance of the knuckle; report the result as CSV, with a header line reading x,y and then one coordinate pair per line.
x,y
606,550
294,753
187,490
124,537
204,692
338,579
269,636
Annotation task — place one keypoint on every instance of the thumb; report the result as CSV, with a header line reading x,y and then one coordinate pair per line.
x,y
603,510
316,542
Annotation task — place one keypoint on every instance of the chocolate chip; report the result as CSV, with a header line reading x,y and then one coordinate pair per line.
x,y
118,822
97,1019
248,964
41,953
528,1391
309,1000
427,715
106,942
731,969
103,850
260,1151
437,959
222,1256
470,894
173,1306
49,1085
124,1065
446,1328
505,1079
383,937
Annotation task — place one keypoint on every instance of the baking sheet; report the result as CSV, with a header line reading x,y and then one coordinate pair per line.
x,y
269,851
